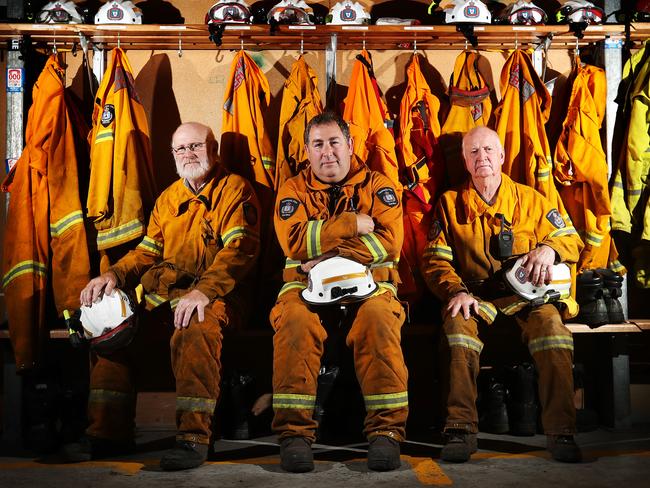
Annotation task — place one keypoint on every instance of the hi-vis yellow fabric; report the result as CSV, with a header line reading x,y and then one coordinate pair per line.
x,y
368,115
421,170
300,103
631,212
246,147
122,186
45,237
470,107
520,118
581,168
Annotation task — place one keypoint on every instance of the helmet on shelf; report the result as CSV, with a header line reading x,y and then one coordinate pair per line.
x,y
579,11
468,11
118,12
229,12
59,13
338,279
348,13
523,12
293,12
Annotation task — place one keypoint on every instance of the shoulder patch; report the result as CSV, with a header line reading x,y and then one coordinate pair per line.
x,y
250,213
556,219
387,196
434,230
288,207
108,115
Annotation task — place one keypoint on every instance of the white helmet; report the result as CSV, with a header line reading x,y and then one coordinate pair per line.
x,y
110,323
295,12
118,12
338,279
65,12
348,13
524,12
468,11
557,289
580,11
229,12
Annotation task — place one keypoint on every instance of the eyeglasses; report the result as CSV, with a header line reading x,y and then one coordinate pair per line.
x,y
192,147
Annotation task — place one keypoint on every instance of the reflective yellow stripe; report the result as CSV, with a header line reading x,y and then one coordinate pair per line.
x,y
594,239
268,163
154,299
123,233
375,247
104,136
290,400
109,396
387,264
566,231
173,302
313,238
514,307
151,245
383,287
617,267
440,251
290,286
488,309
22,268
462,340
59,227
388,400
233,233
543,175
195,404
550,342
291,263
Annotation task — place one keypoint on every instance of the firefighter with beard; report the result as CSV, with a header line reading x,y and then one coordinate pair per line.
x,y
194,265
477,226
338,207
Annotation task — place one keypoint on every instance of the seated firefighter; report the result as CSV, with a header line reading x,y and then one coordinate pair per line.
x,y
194,264
337,211
476,227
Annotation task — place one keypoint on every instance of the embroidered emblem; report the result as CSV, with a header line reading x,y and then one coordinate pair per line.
x,y
387,196
556,219
288,207
108,115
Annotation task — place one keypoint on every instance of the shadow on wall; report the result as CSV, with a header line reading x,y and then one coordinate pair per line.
x,y
154,85
159,12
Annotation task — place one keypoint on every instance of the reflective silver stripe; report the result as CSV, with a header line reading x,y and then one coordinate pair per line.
x,y
567,231
59,227
313,238
233,233
291,263
195,404
291,285
388,400
440,251
386,264
289,400
154,299
125,232
462,340
104,136
488,309
109,396
375,247
550,342
24,267
151,245
594,239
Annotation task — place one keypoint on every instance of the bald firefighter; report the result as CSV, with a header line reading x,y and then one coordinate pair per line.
x,y
477,226
194,263
338,207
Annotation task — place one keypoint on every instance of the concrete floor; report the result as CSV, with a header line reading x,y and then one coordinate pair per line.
x,y
612,459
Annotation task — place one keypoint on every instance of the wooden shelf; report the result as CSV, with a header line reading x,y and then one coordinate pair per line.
x,y
196,36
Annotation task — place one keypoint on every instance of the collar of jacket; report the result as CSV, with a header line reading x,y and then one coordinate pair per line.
x,y
183,196
358,173
473,206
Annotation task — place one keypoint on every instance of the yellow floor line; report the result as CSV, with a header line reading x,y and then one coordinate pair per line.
x,y
428,471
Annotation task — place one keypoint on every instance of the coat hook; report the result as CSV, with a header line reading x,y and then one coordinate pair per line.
x,y
54,51
516,42
465,44
180,46
302,46
415,46
363,44
577,49
118,40
241,43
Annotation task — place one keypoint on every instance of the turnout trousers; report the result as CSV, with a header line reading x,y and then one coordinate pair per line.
x,y
374,337
551,346
195,362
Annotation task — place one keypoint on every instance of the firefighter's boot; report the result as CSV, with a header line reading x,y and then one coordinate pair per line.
x,y
383,454
522,403
184,455
612,291
589,295
563,448
493,415
459,447
296,455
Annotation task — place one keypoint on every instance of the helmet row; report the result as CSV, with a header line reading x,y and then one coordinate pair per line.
x,y
297,12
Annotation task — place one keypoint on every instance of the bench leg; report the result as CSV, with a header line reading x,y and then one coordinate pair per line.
x,y
616,408
12,401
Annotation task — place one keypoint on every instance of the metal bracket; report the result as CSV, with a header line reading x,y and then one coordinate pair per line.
x,y
216,33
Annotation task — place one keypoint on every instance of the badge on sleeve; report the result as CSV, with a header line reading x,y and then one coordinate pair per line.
x,y
434,230
250,213
556,219
108,115
288,207
387,196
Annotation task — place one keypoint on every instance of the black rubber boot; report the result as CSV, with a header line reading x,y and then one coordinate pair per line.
x,y
326,378
88,448
383,454
238,398
296,455
589,295
459,447
563,448
522,404
612,291
184,455
493,414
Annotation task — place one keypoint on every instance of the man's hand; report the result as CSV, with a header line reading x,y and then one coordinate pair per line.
x,y
308,265
538,264
186,306
462,301
93,291
365,224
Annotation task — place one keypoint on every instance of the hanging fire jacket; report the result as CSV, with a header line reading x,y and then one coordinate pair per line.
x,y
368,117
300,103
421,170
581,168
45,237
631,211
245,145
470,107
520,122
122,186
